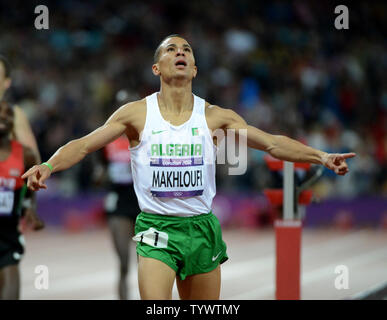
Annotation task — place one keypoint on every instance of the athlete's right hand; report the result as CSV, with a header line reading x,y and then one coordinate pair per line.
x,y
36,177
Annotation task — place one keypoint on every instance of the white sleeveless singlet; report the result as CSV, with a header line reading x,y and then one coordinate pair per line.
x,y
173,167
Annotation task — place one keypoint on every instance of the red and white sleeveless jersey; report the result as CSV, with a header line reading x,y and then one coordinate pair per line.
x,y
11,182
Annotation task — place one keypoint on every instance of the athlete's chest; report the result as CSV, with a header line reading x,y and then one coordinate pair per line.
x,y
176,119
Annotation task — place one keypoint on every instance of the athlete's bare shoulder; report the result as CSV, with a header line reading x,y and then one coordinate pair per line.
x,y
218,117
133,108
132,114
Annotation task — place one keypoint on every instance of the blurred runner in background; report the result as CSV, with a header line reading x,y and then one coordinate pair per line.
x,y
15,201
121,204
21,130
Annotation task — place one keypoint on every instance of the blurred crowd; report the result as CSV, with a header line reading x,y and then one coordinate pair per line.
x,y
280,64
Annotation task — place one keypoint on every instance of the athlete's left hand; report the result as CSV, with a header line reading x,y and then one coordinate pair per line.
x,y
336,162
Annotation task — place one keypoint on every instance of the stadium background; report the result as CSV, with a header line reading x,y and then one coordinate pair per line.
x,y
280,64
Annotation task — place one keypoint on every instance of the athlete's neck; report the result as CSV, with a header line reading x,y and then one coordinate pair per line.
x,y
175,99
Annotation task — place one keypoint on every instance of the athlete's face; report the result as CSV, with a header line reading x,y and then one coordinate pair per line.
x,y
5,82
6,118
176,60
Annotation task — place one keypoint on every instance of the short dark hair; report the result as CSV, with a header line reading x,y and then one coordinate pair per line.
x,y
7,66
157,52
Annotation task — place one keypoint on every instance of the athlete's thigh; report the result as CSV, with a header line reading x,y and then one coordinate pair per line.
x,y
155,279
203,286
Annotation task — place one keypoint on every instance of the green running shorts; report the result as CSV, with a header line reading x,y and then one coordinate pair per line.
x,y
189,245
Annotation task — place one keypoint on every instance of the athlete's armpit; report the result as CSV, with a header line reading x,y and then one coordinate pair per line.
x,y
133,116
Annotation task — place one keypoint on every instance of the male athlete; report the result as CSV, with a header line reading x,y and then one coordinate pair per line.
x,y
173,165
15,201
21,130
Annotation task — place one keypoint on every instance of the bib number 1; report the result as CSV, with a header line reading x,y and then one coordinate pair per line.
x,y
153,238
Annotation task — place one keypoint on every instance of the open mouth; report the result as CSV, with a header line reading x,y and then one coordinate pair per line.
x,y
180,63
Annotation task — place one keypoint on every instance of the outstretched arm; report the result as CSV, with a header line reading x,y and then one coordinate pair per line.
x,y
75,150
279,146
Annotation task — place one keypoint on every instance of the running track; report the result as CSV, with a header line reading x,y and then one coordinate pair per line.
x,y
83,265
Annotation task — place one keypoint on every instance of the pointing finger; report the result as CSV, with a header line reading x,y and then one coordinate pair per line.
x,y
348,155
29,172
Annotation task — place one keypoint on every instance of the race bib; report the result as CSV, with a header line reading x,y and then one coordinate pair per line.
x,y
152,237
177,164
6,202
177,177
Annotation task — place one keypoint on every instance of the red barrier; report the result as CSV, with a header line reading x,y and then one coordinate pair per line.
x,y
288,259
288,237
